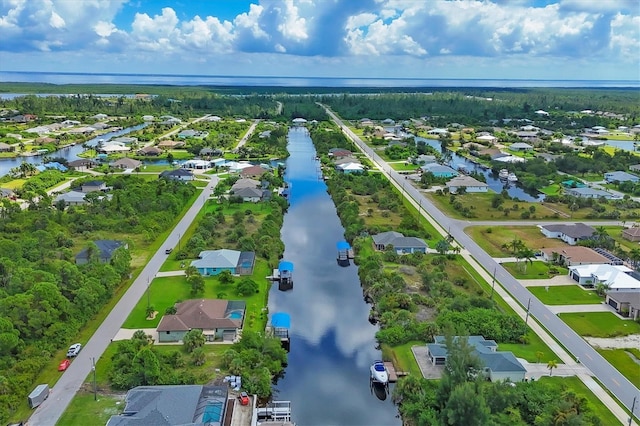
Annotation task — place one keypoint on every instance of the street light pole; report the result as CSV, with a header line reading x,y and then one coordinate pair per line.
x,y
526,318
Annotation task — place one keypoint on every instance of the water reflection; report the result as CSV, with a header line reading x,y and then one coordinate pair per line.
x,y
332,341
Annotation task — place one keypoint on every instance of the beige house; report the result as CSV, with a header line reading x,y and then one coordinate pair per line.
x,y
575,255
631,234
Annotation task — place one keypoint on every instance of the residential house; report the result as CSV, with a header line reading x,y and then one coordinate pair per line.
x,y
71,198
575,255
7,193
338,153
620,176
237,166
4,147
212,262
45,140
423,159
626,303
218,320
520,146
617,277
196,164
150,151
631,234
178,174
439,170
94,185
106,248
245,183
635,168
487,139
400,243
82,163
438,132
173,405
112,148
345,160
470,184
248,194
590,193
187,133
570,234
148,118
497,366
126,163
127,140
349,168
299,121
100,116
252,172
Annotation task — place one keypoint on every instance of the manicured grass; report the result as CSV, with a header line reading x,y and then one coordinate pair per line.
x,y
533,270
553,189
85,410
402,357
626,365
600,324
165,291
615,232
565,295
576,385
529,350
403,166
492,238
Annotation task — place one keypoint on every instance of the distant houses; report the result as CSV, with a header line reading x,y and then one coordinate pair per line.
x,y
400,243
468,183
570,234
105,249
586,192
178,174
439,170
620,176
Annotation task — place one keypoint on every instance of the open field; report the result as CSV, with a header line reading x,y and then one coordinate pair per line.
x,y
600,324
565,295
492,238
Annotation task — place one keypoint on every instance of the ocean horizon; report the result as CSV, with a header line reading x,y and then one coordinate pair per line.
x,y
60,78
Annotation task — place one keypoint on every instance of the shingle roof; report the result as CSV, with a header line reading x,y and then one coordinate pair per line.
x,y
247,192
222,258
205,314
106,248
577,230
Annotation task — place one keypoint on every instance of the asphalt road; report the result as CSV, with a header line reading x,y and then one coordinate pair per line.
x,y
610,378
65,389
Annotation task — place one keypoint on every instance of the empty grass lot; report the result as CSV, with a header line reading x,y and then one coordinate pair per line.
x,y
565,295
624,360
600,324
492,238
534,270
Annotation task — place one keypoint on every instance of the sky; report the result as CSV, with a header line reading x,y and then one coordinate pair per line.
x,y
462,39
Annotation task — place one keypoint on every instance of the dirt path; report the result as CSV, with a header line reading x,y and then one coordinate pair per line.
x,y
630,341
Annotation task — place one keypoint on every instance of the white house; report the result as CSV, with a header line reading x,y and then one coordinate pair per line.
x,y
570,234
617,277
487,138
469,183
520,146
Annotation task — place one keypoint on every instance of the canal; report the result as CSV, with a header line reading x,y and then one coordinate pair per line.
x,y
332,342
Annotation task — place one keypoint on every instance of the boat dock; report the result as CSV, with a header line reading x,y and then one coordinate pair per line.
x,y
393,374
283,275
343,253
279,326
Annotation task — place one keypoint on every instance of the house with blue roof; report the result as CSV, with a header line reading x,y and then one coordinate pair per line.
x,y
497,366
439,170
400,243
213,262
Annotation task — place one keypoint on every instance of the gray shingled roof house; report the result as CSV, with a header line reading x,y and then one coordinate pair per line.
x,y
400,243
626,303
570,234
218,320
106,249
498,366
185,405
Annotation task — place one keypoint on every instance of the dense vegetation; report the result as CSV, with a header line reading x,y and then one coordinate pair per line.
x,y
45,298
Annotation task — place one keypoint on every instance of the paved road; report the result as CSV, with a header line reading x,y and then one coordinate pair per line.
x,y
611,378
65,389
247,135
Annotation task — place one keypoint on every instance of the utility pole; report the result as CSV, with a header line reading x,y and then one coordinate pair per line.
x,y
148,295
527,317
95,383
493,283
633,405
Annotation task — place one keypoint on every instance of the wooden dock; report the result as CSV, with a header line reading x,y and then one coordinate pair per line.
x,y
393,374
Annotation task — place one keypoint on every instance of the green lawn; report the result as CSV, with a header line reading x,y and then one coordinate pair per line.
x,y
165,291
623,361
574,384
553,189
85,410
533,270
493,238
600,324
565,295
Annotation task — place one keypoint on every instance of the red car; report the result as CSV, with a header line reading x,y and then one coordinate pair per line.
x,y
244,398
64,364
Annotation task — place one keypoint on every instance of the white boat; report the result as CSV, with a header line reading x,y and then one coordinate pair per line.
x,y
504,174
379,372
512,177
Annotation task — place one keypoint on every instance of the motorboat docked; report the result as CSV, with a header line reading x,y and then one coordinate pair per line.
x,y
379,372
503,174
512,177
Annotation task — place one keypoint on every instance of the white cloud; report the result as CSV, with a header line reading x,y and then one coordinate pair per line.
x,y
292,26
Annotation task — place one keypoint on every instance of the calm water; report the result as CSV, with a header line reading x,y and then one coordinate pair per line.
x,y
217,80
333,343
70,153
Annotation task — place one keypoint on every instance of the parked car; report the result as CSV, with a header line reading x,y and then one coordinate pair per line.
x,y
74,350
244,398
168,251
64,364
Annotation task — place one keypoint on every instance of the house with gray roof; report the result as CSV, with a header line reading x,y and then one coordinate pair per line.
x,y
218,319
178,174
186,405
520,146
469,183
212,262
71,198
126,163
590,193
626,303
400,243
570,234
497,366
248,194
620,176
106,248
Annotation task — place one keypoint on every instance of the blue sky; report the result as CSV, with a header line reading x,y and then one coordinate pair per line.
x,y
497,39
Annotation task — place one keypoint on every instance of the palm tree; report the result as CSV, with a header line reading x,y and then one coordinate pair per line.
x,y
516,244
601,288
528,255
634,255
551,365
539,356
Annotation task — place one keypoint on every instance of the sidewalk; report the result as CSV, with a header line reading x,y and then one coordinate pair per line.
x,y
557,280
566,309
